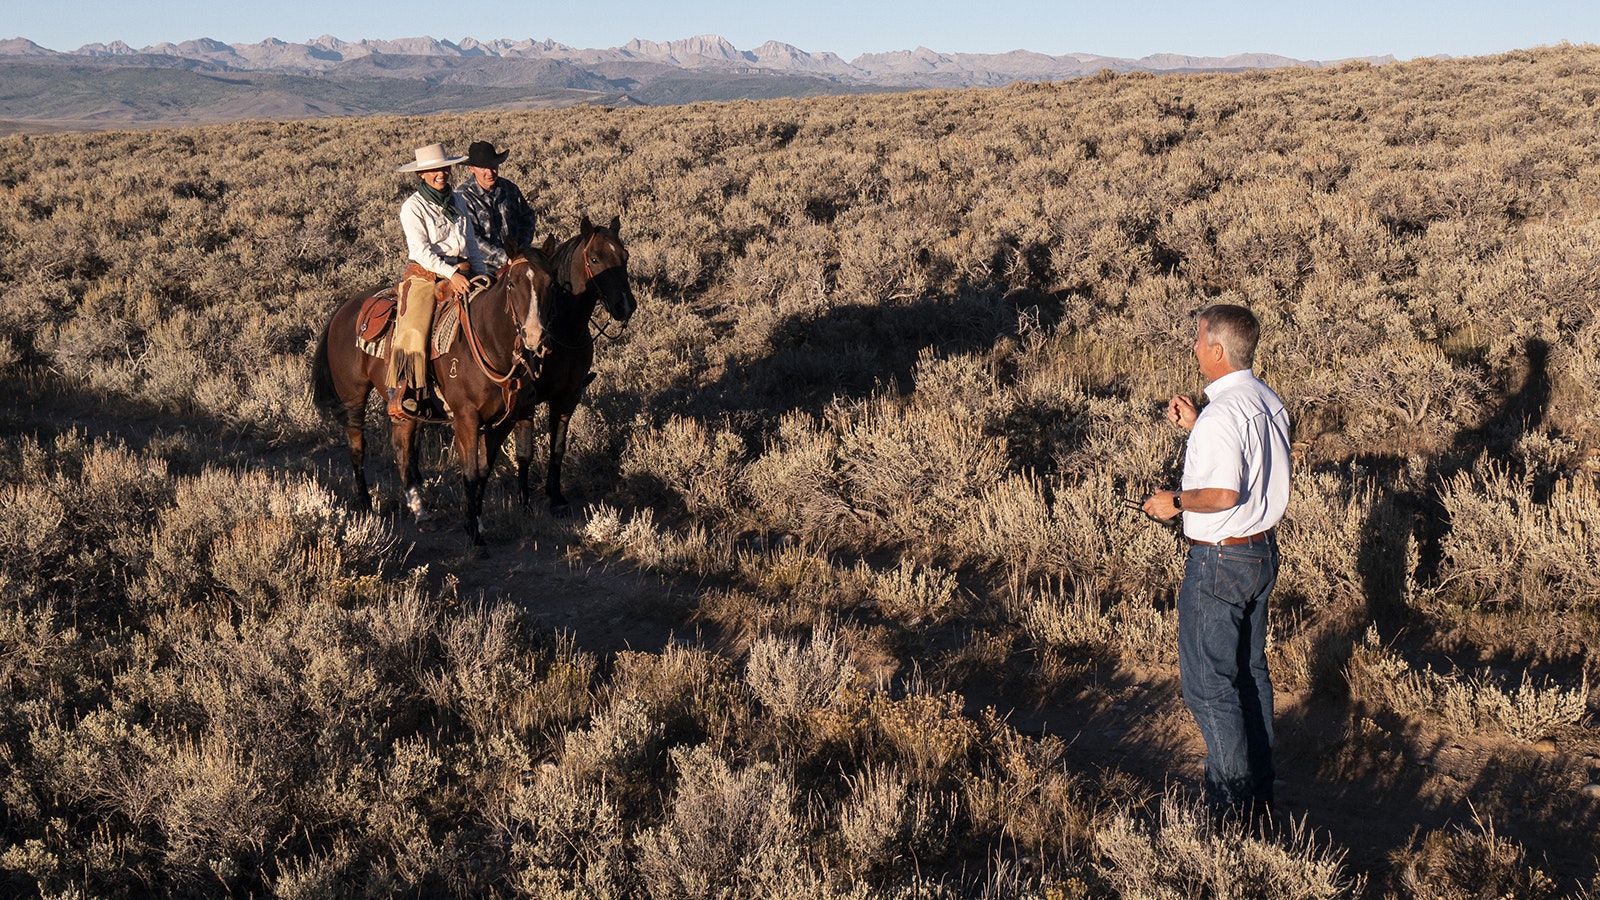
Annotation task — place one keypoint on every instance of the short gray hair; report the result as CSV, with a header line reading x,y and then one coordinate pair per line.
x,y
1236,329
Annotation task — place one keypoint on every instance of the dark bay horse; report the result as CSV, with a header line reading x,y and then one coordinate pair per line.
x,y
484,381
589,268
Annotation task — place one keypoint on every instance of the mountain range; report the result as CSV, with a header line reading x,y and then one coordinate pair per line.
x,y
115,85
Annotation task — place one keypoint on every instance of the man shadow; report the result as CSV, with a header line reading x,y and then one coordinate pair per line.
x,y
1522,412
1399,517
1390,567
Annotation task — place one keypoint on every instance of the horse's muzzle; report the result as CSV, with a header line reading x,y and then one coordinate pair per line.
x,y
616,293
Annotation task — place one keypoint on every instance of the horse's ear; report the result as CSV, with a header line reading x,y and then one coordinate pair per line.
x,y
586,226
616,225
549,248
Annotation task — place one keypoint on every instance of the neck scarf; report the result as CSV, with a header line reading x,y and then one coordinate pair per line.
x,y
441,199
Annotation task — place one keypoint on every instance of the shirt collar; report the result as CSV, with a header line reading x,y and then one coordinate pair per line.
x,y
1230,380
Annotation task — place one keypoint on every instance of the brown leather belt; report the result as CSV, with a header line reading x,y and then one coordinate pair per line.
x,y
415,269
1260,537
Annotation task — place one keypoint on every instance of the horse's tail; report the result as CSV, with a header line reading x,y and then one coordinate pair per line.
x,y
323,390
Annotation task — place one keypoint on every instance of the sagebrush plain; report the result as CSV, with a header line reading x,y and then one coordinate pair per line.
x,y
863,455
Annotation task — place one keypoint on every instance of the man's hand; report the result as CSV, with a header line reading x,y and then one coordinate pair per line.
x,y
459,284
1181,412
1159,505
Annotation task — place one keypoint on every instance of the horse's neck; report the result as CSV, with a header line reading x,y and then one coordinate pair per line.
x,y
491,310
561,263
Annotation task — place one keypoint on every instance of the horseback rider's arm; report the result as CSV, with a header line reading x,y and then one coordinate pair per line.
x,y
520,220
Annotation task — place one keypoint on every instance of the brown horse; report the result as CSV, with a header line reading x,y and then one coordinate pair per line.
x,y
589,268
484,381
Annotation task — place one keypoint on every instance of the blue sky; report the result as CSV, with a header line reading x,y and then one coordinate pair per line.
x,y
1130,28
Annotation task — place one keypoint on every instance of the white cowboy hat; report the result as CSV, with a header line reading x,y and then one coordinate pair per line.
x,y
431,157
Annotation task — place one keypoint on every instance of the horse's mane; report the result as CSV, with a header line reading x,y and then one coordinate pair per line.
x,y
561,258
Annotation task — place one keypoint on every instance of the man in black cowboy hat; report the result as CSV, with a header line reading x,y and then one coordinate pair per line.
x,y
501,217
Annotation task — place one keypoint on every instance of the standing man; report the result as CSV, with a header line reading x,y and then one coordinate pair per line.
x,y
501,216
1235,489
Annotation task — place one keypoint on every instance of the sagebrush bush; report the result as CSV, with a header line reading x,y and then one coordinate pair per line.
x,y
729,832
790,679
1464,861
1468,702
1179,853
1509,546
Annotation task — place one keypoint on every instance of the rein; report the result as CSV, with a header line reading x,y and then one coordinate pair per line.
x,y
508,384
599,328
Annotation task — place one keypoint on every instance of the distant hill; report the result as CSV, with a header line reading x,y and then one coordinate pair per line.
x,y
115,85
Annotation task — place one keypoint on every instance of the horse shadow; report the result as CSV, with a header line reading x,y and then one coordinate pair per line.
x,y
812,359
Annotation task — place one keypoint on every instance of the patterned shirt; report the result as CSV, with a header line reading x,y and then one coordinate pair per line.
x,y
499,215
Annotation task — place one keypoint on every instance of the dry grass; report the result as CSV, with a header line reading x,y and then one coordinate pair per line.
x,y
1469,702
898,362
1180,853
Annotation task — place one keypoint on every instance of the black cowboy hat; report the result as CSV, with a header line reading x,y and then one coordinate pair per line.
x,y
481,154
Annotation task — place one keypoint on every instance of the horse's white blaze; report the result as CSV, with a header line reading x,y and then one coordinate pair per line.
x,y
532,328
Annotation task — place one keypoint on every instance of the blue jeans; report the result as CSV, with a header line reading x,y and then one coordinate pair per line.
x,y
1222,658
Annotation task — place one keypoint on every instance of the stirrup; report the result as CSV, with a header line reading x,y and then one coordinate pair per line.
x,y
402,404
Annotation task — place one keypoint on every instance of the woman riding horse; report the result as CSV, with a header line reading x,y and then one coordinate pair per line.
x,y
441,248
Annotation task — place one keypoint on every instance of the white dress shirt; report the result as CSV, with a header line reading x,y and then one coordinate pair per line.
x,y
1240,442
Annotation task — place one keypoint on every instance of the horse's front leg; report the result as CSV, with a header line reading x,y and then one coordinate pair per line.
x,y
474,453
403,434
558,451
522,435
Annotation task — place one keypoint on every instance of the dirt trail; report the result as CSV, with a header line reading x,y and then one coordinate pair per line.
x,y
605,606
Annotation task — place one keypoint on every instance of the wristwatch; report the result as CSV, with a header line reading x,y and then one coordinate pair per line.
x,y
1177,500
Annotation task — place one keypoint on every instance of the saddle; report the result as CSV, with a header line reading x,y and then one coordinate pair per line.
x,y
372,323
377,315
